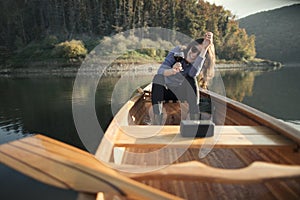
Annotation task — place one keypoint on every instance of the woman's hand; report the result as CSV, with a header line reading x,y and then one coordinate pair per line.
x,y
207,42
177,67
208,39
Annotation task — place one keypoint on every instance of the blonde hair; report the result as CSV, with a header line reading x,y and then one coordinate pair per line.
x,y
208,70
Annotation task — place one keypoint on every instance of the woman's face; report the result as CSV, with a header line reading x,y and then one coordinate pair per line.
x,y
193,53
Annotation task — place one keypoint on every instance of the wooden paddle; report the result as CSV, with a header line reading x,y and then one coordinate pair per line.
x,y
64,166
196,171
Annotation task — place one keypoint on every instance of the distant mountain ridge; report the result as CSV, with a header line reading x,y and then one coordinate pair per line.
x,y
277,33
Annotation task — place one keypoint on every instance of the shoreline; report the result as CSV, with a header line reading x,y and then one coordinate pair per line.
x,y
120,68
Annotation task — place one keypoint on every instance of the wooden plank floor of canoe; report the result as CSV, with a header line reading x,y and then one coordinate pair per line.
x,y
225,158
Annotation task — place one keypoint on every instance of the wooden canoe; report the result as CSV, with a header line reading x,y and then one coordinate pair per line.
x,y
239,164
252,155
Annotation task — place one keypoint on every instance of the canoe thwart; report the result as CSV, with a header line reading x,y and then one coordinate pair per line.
x,y
224,137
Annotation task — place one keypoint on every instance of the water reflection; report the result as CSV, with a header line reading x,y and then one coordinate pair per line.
x,y
37,106
277,93
44,105
239,83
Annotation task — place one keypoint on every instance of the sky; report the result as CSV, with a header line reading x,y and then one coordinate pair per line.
x,y
243,8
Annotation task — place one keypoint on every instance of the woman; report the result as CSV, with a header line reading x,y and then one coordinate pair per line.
x,y
176,80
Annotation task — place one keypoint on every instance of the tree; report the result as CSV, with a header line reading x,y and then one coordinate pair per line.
x,y
22,22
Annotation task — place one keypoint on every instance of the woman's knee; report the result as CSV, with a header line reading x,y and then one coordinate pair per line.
x,y
159,79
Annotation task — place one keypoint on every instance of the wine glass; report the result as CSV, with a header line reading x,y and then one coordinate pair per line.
x,y
179,56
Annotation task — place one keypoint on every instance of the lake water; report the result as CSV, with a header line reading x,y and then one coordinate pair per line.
x,y
44,105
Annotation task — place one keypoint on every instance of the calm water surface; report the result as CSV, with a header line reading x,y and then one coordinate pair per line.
x,y
44,105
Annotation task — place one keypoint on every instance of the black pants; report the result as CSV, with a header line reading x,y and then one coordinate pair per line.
x,y
188,91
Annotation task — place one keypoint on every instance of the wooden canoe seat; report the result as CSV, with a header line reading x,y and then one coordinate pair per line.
x,y
225,136
68,167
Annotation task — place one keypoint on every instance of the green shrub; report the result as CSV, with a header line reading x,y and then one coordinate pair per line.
x,y
161,53
148,51
71,49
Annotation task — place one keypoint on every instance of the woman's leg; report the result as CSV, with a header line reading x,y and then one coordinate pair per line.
x,y
157,98
158,92
192,95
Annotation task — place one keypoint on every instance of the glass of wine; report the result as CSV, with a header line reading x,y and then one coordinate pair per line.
x,y
179,56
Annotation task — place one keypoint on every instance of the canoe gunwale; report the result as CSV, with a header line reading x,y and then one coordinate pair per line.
x,y
262,118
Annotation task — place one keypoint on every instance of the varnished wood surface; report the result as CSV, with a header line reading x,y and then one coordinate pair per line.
x,y
67,167
226,157
225,136
197,171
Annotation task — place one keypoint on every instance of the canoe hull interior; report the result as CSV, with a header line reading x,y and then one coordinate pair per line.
x,y
223,112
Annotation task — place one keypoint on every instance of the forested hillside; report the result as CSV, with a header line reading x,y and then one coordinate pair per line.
x,y
41,25
277,33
